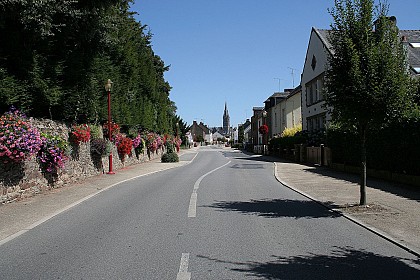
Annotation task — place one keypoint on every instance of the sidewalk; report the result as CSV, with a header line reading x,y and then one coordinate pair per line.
x,y
17,218
393,209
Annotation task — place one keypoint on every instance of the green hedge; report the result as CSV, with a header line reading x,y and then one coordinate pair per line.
x,y
394,148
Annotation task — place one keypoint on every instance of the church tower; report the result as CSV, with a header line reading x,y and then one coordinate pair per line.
x,y
226,120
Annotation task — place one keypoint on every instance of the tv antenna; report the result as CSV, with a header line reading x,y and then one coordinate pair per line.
x,y
279,82
293,75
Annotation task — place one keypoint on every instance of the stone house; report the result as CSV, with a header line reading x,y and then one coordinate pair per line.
x,y
199,129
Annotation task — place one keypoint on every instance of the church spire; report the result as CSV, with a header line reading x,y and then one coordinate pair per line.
x,y
226,120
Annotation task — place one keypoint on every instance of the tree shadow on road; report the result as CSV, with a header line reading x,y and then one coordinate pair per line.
x,y
399,189
277,208
341,263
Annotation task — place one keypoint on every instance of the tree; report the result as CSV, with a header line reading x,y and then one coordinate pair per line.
x,y
367,80
58,54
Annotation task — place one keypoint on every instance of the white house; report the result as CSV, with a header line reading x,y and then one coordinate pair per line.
x,y
314,113
286,113
217,135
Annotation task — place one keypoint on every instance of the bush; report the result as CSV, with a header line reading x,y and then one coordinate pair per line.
x,y
394,147
170,157
289,132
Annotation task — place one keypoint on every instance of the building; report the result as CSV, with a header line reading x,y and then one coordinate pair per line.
x,y
269,105
286,113
217,136
256,122
201,132
244,130
226,121
315,115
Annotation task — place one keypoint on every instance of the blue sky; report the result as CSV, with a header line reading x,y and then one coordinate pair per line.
x,y
238,51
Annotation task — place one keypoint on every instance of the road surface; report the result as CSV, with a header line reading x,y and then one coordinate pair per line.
x,y
224,216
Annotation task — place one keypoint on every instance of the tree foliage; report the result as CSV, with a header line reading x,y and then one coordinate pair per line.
x,y
58,55
368,83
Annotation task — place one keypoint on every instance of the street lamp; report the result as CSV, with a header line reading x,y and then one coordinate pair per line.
x,y
108,87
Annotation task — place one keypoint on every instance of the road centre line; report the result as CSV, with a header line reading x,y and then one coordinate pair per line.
x,y
192,209
183,273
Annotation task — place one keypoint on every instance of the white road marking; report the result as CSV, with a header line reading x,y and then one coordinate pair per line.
x,y
192,209
183,273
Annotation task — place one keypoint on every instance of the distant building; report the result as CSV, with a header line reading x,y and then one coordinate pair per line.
x,y
256,122
226,121
201,132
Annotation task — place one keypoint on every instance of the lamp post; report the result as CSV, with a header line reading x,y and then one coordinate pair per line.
x,y
108,87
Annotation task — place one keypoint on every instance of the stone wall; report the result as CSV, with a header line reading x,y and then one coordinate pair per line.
x,y
18,181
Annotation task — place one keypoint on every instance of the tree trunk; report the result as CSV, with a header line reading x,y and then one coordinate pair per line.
x,y
363,166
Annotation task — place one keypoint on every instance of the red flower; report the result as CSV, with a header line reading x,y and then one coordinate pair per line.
x,y
263,129
125,146
80,133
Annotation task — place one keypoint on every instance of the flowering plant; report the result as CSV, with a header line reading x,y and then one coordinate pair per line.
x,y
53,153
100,146
18,140
115,129
80,133
139,144
172,143
151,141
124,147
263,129
159,141
177,142
117,138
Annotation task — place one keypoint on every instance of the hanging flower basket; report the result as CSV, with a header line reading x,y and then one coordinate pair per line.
x,y
263,129
80,134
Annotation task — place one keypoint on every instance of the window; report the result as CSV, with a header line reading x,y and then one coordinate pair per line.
x,y
316,122
275,119
283,116
314,90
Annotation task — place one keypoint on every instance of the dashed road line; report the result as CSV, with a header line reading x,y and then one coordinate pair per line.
x,y
183,273
192,209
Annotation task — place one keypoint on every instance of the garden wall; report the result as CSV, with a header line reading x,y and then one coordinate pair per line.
x,y
20,180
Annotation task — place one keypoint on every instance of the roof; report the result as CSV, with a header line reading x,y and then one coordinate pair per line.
x,y
410,36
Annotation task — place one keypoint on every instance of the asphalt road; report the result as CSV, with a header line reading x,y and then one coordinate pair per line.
x,y
224,216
